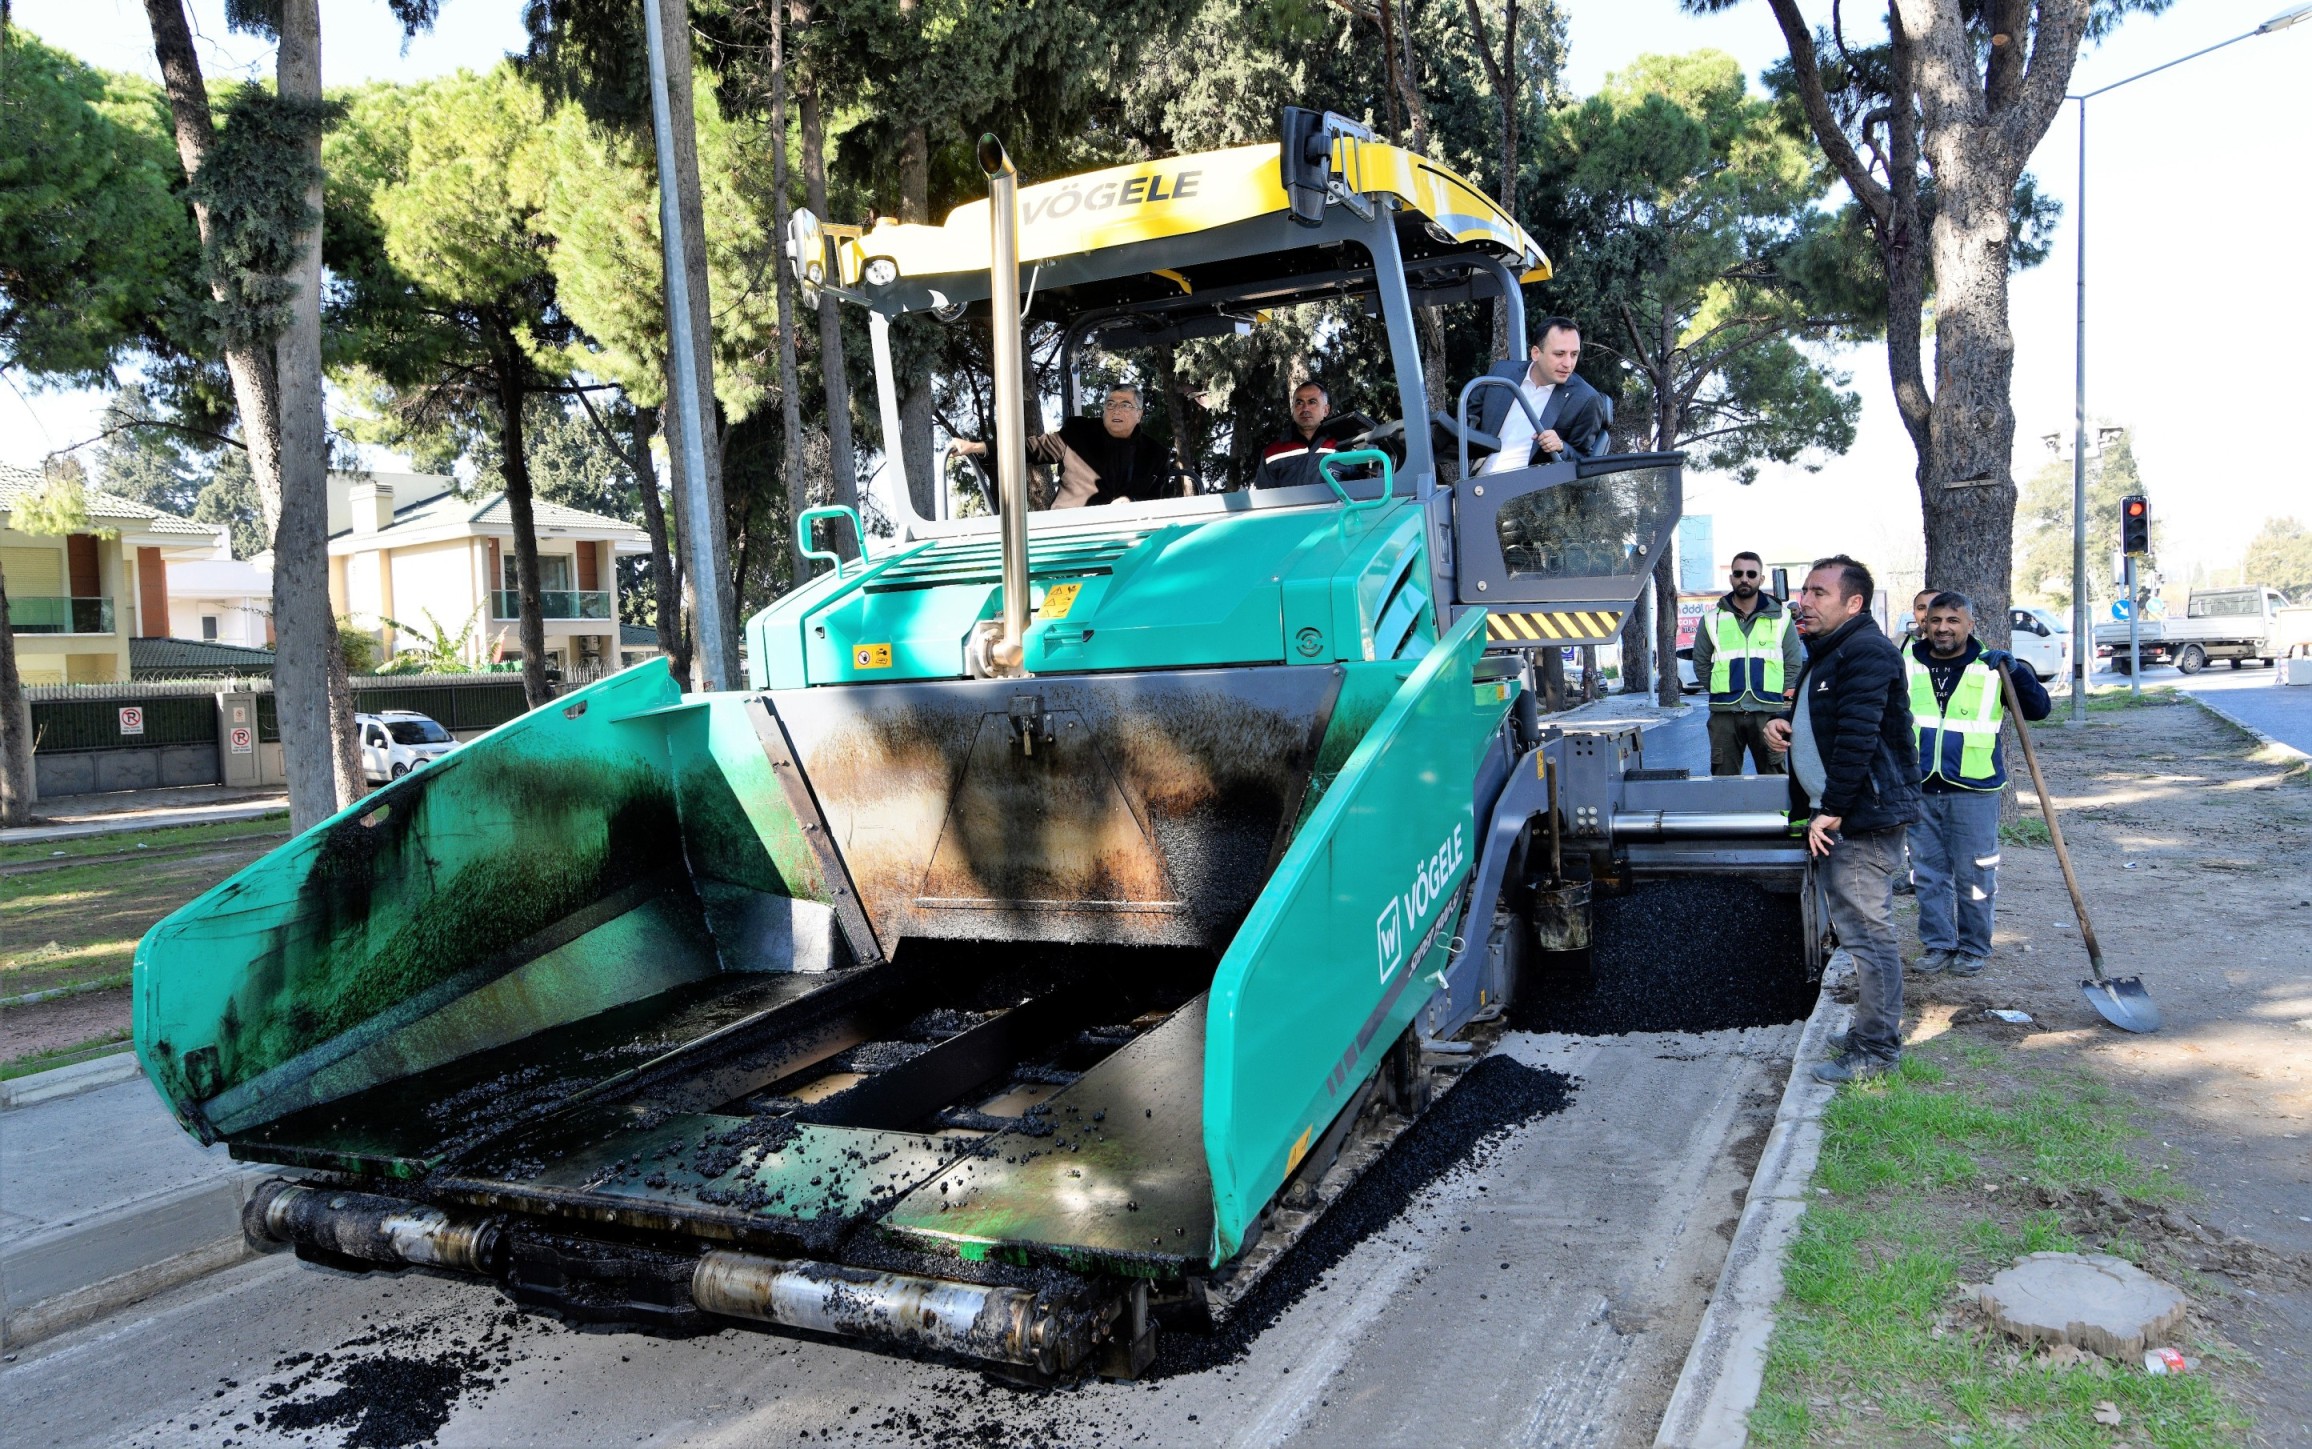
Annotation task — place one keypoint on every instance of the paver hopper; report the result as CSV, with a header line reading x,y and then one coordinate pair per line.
x,y
1070,906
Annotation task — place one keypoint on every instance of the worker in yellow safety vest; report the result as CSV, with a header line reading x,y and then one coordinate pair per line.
x,y
1747,655
1957,709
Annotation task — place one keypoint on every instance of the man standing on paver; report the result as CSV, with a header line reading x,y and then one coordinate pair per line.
x,y
1854,770
1747,655
1956,703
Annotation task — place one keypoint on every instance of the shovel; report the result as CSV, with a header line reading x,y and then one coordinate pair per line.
x,y
2122,1001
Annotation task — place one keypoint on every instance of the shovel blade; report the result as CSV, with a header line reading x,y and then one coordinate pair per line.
x,y
2122,1001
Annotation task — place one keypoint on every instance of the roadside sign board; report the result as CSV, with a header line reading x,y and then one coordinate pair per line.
x,y
242,743
131,720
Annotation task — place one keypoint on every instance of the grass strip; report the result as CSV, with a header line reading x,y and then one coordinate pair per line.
x,y
164,837
42,1061
1935,1178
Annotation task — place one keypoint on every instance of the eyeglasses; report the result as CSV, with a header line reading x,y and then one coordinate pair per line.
x,y
1745,573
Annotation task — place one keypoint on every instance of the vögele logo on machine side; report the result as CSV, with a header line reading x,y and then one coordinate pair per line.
x,y
1430,880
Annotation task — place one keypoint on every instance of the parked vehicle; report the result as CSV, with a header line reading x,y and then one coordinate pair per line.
x,y
2041,640
398,741
2231,624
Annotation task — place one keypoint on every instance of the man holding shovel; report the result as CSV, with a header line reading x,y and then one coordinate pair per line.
x,y
1957,706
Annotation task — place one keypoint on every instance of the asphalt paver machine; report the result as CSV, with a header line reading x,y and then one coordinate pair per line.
x,y
1072,904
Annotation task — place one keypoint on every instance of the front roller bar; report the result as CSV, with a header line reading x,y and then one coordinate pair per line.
x,y
991,1323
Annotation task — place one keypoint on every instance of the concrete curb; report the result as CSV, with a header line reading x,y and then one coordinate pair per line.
x,y
83,1270
1726,1365
60,1082
130,821
2240,724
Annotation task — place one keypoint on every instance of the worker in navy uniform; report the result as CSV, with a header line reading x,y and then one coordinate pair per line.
x,y
1108,460
1854,776
1746,654
1572,415
1958,708
1292,458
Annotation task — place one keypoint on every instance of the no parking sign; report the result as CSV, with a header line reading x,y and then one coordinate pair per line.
x,y
241,742
131,720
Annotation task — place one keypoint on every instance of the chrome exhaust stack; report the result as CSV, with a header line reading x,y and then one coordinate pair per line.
x,y
1005,644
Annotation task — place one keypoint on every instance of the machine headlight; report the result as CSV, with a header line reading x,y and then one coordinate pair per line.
x,y
882,272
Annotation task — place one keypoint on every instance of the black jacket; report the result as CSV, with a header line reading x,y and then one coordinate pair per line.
x,y
1575,409
1859,705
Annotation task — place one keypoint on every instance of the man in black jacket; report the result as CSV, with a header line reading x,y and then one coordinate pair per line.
x,y
1854,771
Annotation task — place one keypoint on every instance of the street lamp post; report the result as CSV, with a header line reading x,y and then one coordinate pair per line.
x,y
2082,637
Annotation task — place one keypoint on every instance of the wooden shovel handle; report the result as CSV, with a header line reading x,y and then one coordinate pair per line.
x,y
2054,827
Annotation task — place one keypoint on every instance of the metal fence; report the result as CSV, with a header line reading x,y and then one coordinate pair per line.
x,y
184,712
96,724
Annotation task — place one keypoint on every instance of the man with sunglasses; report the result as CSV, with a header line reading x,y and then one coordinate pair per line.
x,y
1747,655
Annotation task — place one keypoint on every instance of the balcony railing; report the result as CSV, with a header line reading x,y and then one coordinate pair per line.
x,y
55,614
506,604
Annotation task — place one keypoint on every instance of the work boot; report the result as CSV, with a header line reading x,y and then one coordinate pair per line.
x,y
1932,963
1906,887
1852,1066
1968,965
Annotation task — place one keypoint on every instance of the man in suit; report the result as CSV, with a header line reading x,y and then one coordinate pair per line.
x,y
1572,414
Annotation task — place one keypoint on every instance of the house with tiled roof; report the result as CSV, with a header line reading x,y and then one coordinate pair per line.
x,y
403,546
76,601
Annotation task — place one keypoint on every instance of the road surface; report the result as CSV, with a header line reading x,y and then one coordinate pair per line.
x,y
1544,1294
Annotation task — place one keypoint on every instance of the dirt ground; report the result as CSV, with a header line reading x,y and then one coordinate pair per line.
x,y
2194,849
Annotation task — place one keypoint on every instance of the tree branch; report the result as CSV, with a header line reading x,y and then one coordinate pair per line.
x,y
190,432
1827,132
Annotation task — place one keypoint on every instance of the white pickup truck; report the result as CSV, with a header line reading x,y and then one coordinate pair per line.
x,y
2233,624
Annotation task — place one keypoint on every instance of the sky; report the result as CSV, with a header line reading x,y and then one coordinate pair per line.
x,y
2197,295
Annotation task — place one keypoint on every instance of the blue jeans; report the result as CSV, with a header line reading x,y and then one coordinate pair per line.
x,y
1858,884
1955,865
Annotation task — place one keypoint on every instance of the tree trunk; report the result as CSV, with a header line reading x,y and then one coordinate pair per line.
x,y
925,478
666,606
512,370
707,551
1504,74
1551,661
842,462
1902,248
305,631
306,626
1638,644
16,781
790,381
1968,492
1980,115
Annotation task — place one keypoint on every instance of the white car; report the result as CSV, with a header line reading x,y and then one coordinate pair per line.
x,y
398,741
2040,639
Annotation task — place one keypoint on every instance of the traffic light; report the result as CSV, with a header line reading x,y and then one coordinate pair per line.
x,y
2135,525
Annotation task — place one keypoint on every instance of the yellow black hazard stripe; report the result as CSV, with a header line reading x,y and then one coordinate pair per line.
x,y
1562,626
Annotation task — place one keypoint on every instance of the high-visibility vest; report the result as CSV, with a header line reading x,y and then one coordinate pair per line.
x,y
1958,740
1746,663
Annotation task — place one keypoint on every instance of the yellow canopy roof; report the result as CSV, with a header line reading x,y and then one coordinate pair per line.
x,y
1181,195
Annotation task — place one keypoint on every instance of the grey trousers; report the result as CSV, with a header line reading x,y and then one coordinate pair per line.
x,y
1955,866
1858,878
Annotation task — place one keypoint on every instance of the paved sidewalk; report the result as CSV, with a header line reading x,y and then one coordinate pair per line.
x,y
69,817
104,1200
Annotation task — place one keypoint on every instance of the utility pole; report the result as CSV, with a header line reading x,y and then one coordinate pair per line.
x,y
2082,649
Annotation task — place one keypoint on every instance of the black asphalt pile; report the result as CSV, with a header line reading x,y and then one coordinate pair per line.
x,y
1463,1129
391,1388
1692,954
